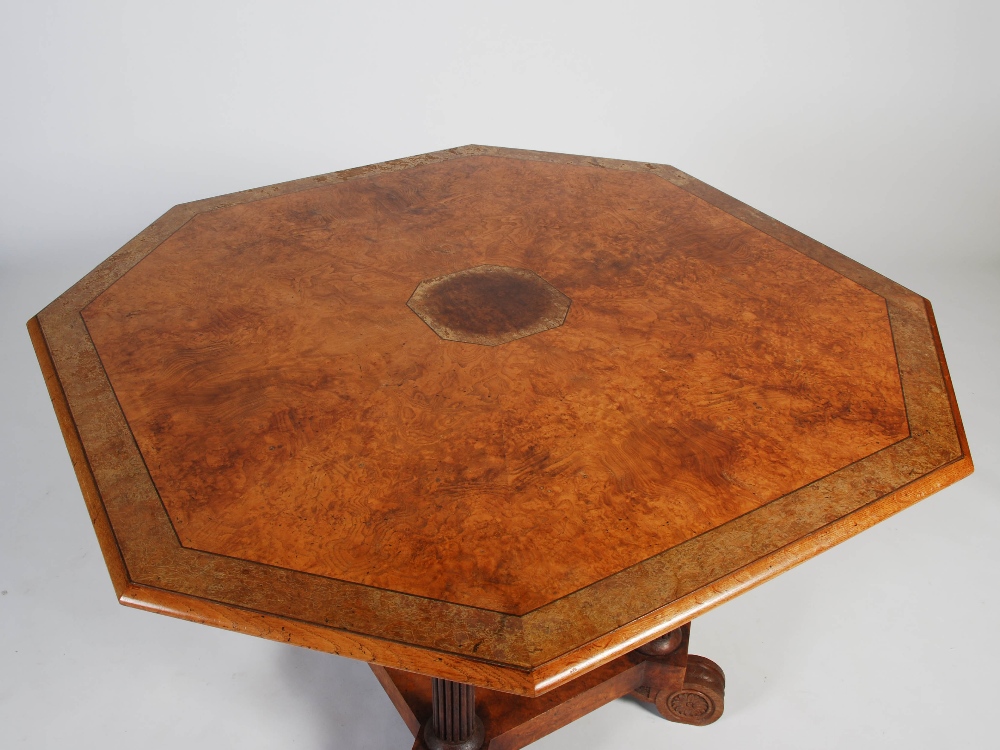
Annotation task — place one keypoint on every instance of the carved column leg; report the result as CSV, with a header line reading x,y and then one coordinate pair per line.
x,y
453,724
684,688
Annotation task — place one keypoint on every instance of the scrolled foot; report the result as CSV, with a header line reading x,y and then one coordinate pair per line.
x,y
702,698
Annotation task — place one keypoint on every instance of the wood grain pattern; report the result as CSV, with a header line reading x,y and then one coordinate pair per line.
x,y
690,690
513,721
307,420
453,723
725,399
489,305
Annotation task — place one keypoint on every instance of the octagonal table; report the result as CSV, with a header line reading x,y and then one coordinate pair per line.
x,y
498,418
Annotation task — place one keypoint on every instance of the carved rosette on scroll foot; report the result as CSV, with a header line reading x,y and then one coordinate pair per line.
x,y
453,724
701,700
684,688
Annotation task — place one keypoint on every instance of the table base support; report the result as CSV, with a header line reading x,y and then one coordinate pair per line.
x,y
685,689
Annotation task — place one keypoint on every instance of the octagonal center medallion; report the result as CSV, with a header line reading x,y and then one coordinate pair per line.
x,y
489,305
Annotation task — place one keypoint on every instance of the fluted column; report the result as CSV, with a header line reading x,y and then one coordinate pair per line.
x,y
453,724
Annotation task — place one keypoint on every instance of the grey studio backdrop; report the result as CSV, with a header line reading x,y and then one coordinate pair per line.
x,y
870,126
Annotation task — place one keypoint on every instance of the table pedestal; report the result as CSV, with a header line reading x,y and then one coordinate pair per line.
x,y
684,688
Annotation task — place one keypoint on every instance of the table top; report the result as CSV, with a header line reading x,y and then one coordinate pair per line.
x,y
494,415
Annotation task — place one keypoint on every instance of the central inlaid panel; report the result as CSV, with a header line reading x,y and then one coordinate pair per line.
x,y
488,381
489,305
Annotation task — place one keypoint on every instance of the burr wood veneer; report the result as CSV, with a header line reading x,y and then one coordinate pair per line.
x,y
496,416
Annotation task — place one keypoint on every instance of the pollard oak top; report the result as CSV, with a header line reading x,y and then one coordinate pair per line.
x,y
493,415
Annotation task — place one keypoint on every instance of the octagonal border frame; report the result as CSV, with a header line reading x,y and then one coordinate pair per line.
x,y
542,649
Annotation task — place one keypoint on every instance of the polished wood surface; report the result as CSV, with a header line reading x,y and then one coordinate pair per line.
x,y
306,419
453,723
684,688
270,439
